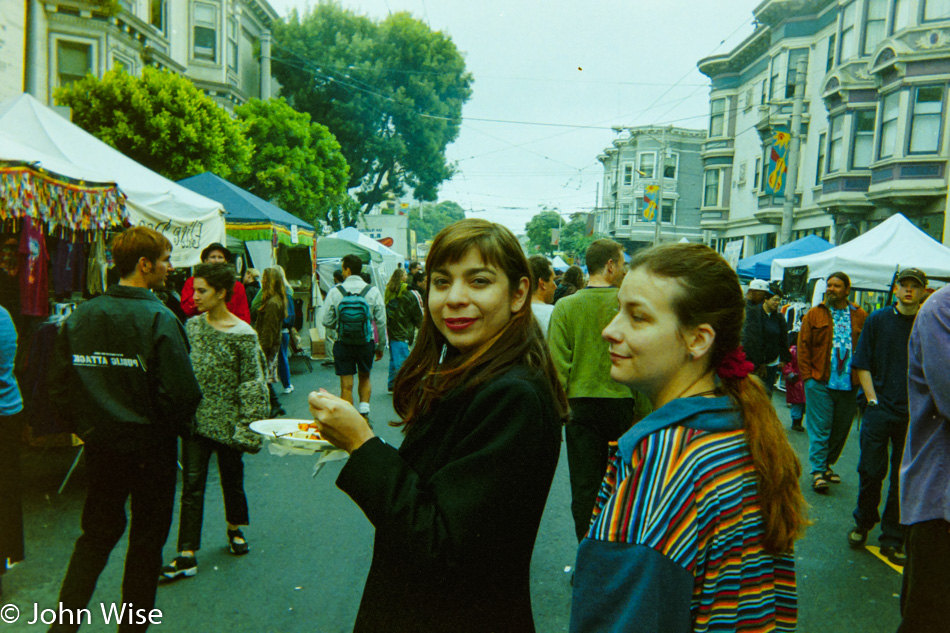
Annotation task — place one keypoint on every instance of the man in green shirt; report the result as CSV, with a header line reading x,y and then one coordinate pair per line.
x,y
601,409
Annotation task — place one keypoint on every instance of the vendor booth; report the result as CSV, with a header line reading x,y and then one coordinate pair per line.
x,y
265,233
189,220
760,266
871,259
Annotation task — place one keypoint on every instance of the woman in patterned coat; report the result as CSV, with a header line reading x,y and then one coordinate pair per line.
x,y
694,526
228,364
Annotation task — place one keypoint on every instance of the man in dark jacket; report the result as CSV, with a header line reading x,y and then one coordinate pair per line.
x,y
124,378
765,337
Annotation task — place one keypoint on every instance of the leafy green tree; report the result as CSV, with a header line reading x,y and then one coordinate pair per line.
x,y
428,219
160,120
343,214
391,92
574,237
538,230
296,164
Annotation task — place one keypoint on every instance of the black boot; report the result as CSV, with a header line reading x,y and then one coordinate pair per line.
x,y
797,425
275,409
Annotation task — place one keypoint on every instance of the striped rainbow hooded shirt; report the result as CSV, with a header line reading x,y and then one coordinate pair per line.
x,y
675,543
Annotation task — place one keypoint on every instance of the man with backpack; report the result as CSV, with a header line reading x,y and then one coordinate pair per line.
x,y
353,307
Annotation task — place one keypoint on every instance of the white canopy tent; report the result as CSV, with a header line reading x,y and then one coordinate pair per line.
x,y
33,132
871,259
382,261
559,264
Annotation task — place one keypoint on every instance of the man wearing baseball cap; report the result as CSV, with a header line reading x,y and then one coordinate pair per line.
x,y
880,362
765,334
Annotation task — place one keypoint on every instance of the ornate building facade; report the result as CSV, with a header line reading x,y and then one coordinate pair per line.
x,y
873,140
221,45
632,164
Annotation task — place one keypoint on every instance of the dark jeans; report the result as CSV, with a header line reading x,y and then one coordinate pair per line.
x,y
195,457
283,360
877,431
926,584
594,423
11,488
148,477
830,414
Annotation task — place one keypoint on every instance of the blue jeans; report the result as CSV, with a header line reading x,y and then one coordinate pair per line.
x,y
398,353
830,414
879,429
283,364
798,411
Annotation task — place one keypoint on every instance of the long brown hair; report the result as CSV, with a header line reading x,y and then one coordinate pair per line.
x,y
711,294
423,379
272,288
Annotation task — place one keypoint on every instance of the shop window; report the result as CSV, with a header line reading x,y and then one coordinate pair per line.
x,y
73,61
848,39
875,25
890,107
863,145
794,56
717,118
926,120
836,144
711,188
205,31
936,10
648,164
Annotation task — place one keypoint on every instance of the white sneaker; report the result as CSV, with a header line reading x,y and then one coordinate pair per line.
x,y
289,389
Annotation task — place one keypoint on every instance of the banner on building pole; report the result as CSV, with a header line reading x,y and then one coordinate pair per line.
x,y
649,197
775,183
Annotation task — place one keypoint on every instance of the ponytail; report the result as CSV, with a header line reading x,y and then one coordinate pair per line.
x,y
710,294
776,466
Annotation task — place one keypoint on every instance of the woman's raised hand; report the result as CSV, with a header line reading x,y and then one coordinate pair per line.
x,y
338,421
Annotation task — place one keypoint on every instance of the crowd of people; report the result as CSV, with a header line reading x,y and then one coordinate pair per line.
x,y
685,489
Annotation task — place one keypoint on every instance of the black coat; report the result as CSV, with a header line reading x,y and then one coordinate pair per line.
x,y
765,336
457,510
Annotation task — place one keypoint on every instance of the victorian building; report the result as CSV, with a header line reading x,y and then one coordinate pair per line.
x,y
223,46
634,162
873,133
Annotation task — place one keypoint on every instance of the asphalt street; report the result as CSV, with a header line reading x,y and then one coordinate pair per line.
x,y
311,546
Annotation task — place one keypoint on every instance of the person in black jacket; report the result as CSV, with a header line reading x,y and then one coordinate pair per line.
x,y
457,506
123,376
765,336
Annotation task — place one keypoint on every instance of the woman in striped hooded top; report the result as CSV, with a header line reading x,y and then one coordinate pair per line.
x,y
694,526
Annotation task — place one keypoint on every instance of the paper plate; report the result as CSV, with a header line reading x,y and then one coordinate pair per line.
x,y
287,433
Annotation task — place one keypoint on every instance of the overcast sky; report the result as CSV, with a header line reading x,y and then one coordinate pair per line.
x,y
566,64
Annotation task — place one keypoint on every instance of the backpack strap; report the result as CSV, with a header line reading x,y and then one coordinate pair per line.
x,y
365,290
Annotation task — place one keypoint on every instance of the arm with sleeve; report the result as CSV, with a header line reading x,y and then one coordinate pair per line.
x,y
173,381
188,298
560,341
443,520
253,397
330,312
935,357
624,582
379,316
863,361
804,350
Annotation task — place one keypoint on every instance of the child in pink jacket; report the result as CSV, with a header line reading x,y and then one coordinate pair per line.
x,y
794,390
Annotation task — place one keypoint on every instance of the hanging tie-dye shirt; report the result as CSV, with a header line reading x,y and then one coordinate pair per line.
x,y
841,351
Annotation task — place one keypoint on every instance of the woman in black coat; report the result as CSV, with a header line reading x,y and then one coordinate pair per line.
x,y
457,507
